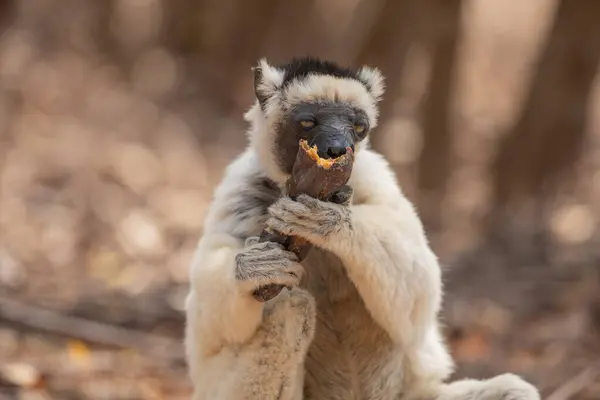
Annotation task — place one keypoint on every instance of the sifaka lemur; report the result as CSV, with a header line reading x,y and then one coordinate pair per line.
x,y
360,320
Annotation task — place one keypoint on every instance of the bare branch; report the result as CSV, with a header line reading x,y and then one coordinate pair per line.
x,y
90,331
573,386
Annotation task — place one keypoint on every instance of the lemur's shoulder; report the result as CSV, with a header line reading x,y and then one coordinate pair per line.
x,y
242,197
373,179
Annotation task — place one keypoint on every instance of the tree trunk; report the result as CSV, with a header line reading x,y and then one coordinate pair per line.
x,y
547,139
248,31
434,164
290,31
386,47
8,11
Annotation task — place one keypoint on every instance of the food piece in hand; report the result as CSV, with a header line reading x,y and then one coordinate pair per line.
x,y
317,177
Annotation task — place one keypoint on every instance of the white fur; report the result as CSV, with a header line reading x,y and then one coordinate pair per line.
x,y
263,145
323,87
374,78
272,78
377,288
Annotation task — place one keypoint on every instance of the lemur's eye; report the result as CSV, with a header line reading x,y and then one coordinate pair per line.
x,y
307,123
359,128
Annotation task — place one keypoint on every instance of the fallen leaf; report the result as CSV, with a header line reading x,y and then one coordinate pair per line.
x,y
79,353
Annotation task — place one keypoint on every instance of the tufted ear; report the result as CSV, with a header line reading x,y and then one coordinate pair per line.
x,y
267,80
374,81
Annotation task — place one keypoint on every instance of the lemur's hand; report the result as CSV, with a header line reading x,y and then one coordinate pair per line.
x,y
264,263
309,218
342,196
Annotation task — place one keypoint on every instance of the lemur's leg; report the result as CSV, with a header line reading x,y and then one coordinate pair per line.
x,y
273,361
237,347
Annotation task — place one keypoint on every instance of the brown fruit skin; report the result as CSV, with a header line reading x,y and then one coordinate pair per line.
x,y
313,177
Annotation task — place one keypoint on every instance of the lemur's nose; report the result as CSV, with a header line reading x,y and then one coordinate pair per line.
x,y
332,146
334,152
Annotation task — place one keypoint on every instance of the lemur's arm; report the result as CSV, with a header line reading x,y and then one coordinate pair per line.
x,y
381,241
236,346
225,270
216,309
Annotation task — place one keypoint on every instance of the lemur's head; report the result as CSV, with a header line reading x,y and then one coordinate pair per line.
x,y
328,105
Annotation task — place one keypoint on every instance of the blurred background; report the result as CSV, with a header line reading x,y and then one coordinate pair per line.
x,y
117,118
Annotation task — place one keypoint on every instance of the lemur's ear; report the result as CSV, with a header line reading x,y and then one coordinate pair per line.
x,y
374,81
267,80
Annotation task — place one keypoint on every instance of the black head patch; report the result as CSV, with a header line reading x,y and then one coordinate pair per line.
x,y
283,75
300,68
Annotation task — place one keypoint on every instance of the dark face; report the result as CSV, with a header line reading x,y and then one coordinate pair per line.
x,y
332,127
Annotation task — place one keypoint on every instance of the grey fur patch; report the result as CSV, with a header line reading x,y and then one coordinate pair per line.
x,y
246,210
255,199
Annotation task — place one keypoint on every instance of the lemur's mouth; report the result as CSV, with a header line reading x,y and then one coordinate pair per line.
x,y
334,152
326,158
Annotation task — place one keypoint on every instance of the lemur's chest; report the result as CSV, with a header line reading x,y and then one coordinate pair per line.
x,y
351,357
